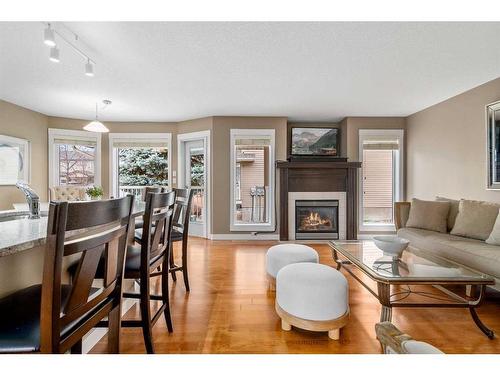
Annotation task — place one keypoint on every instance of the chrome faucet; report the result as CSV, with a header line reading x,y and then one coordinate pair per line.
x,y
32,199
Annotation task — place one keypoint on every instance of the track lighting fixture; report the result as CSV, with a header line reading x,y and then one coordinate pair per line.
x,y
89,69
54,54
49,37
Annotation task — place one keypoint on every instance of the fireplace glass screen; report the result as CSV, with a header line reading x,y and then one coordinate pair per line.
x,y
316,219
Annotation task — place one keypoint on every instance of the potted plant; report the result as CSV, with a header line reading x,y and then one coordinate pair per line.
x,y
94,192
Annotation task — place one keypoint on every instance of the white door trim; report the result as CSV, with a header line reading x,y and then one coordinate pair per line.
x,y
181,175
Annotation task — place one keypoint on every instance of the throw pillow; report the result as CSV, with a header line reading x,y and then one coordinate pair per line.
x,y
494,238
452,215
475,219
430,215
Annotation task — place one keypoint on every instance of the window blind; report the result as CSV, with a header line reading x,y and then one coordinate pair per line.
x,y
252,141
139,143
381,145
75,141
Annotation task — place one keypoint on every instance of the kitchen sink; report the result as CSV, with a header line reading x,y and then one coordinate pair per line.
x,y
17,216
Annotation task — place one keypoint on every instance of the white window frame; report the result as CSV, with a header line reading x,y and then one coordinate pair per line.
x,y
113,154
253,133
72,135
27,157
381,134
181,171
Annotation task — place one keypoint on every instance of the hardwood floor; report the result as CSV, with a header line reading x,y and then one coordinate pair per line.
x,y
230,310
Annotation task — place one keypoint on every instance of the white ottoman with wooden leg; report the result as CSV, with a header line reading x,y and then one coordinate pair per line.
x,y
313,297
279,256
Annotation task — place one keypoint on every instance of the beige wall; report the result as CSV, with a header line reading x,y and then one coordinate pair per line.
x,y
196,125
20,122
350,128
118,127
220,158
446,147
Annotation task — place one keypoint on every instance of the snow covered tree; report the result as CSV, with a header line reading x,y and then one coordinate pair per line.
x,y
143,166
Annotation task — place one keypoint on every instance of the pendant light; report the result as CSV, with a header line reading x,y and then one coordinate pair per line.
x,y
96,126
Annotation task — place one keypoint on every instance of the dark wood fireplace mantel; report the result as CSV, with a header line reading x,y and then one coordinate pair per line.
x,y
319,176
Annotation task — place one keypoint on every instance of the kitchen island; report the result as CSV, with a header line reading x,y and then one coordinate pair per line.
x,y
20,234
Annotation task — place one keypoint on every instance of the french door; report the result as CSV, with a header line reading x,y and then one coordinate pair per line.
x,y
193,169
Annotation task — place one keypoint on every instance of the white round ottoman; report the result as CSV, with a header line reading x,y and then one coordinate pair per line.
x,y
313,297
282,255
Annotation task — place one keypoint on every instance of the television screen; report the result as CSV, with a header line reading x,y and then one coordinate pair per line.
x,y
314,142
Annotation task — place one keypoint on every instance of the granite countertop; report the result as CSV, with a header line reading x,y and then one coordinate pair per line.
x,y
23,234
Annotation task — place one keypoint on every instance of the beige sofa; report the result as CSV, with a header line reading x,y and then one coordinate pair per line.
x,y
473,254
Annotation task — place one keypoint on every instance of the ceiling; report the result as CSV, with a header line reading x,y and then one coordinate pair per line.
x,y
171,71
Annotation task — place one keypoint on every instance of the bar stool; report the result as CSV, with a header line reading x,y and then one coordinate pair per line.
x,y
180,232
139,222
53,317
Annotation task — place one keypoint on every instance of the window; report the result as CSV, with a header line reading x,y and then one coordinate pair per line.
x,y
74,158
493,145
381,153
138,160
252,179
14,160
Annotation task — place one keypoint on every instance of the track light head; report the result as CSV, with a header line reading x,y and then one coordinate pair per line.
x,y
54,55
89,69
49,37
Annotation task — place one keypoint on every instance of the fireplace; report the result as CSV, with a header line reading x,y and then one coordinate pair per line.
x,y
319,180
316,219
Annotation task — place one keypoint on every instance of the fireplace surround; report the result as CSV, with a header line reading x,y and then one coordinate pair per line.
x,y
319,180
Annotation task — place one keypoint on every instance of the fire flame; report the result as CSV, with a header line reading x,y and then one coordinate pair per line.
x,y
313,220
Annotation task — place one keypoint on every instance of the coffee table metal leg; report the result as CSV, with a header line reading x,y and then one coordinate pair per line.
x,y
384,296
477,292
488,332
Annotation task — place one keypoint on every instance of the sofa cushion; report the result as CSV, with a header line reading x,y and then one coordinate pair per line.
x,y
475,219
494,237
452,214
431,215
474,254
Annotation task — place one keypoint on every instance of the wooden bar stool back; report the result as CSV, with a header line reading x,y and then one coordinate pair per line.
x,y
180,232
53,317
139,222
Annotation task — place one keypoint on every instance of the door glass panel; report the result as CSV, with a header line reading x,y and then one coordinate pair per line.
x,y
195,155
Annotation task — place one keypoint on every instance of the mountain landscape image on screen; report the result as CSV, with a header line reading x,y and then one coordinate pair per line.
x,y
314,141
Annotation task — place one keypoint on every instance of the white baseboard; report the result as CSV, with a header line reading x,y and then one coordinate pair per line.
x,y
96,334
245,237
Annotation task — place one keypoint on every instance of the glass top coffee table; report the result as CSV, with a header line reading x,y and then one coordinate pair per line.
x,y
399,281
